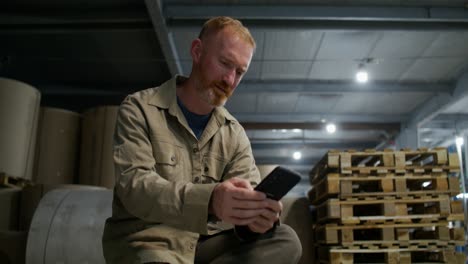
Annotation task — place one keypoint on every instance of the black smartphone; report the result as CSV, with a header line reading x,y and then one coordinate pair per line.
x,y
275,185
278,183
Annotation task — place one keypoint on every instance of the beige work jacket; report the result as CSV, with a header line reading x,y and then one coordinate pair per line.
x,y
165,177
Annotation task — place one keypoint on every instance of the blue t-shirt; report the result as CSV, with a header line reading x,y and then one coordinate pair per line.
x,y
196,122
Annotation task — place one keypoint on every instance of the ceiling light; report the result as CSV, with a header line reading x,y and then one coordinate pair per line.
x,y
297,130
362,76
284,130
459,141
331,128
297,155
323,120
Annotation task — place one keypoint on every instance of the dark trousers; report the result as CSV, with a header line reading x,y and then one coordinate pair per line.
x,y
281,246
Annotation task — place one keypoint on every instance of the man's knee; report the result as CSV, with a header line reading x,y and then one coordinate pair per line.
x,y
290,243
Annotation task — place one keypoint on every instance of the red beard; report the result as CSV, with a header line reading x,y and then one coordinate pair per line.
x,y
217,92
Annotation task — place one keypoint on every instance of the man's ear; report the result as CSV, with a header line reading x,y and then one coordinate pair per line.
x,y
196,50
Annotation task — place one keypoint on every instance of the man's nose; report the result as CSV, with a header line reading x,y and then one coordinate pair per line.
x,y
230,77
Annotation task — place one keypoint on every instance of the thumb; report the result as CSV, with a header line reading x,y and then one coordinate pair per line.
x,y
241,183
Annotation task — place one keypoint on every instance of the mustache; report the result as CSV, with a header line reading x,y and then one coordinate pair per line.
x,y
224,86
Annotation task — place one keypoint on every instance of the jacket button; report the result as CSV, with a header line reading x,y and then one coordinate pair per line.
x,y
197,179
206,169
195,150
173,158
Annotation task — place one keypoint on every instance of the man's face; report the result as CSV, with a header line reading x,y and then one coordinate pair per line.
x,y
224,59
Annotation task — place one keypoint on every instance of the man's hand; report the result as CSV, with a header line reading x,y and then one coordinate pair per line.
x,y
236,202
266,220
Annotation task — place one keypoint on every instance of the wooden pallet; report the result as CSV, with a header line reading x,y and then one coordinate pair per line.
x,y
457,211
372,162
413,254
390,234
336,185
370,171
388,208
329,163
13,182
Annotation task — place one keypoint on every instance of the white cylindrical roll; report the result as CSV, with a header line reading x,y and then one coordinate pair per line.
x,y
19,112
67,227
57,146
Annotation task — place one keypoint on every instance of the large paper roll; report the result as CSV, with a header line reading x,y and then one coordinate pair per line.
x,y
57,146
19,112
67,227
96,158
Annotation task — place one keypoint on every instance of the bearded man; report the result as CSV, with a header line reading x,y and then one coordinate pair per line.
x,y
185,170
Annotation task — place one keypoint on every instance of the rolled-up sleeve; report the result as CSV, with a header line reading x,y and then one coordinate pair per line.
x,y
142,191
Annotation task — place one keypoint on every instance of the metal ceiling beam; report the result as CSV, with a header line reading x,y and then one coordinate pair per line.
x,y
444,122
68,18
338,17
409,136
442,129
305,12
287,161
66,90
450,118
448,128
436,128
164,36
439,103
304,170
282,86
310,117
428,110
444,142
21,23
90,28
449,139
299,167
320,126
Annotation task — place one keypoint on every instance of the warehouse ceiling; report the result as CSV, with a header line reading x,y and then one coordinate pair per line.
x,y
83,53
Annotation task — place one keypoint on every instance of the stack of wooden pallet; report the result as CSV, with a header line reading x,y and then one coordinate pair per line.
x,y
387,207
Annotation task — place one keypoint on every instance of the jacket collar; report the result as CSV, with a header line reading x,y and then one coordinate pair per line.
x,y
165,97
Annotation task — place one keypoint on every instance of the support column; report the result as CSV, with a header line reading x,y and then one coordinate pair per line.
x,y
408,137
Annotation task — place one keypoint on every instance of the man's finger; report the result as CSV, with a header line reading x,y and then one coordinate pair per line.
x,y
273,205
240,221
244,194
242,213
270,215
249,204
241,183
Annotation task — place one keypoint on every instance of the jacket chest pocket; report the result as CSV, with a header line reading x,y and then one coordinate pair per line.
x,y
213,168
167,160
